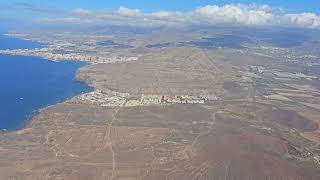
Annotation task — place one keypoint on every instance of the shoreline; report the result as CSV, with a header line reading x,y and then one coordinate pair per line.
x,y
29,117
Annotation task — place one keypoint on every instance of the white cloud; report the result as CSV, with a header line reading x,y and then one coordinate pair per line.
x,y
236,14
80,11
162,14
257,16
128,12
168,17
61,20
230,14
310,20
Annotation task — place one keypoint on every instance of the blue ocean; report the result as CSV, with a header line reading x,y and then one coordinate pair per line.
x,y
7,42
30,83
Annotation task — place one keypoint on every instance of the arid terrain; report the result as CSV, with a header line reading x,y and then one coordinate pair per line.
x,y
248,113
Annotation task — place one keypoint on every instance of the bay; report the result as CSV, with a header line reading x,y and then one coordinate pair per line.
x,y
29,83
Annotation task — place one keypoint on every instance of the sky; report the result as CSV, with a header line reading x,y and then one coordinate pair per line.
x,y
293,13
171,5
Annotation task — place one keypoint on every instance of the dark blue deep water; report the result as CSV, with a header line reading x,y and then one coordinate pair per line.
x,y
30,83
7,42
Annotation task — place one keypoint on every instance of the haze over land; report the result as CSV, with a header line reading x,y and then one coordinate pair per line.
x,y
222,92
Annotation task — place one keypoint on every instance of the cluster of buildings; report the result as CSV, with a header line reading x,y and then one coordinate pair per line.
x,y
316,159
104,99
187,99
257,69
111,98
144,100
47,53
297,75
281,54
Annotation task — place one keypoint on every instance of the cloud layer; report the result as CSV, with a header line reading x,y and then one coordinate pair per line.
x,y
230,14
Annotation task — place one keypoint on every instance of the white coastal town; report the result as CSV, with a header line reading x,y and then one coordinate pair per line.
x,y
113,99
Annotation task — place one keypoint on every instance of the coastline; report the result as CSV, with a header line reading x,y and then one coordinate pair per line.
x,y
37,45
54,51
28,121
29,117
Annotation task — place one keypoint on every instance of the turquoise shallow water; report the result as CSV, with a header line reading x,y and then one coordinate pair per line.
x,y
30,83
